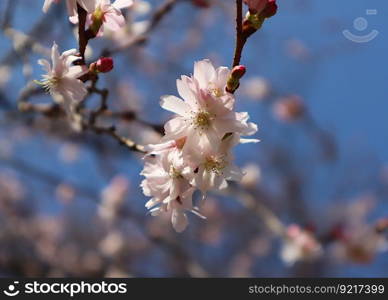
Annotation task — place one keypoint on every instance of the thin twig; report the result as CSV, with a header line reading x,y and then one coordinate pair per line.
x,y
262,211
240,37
111,131
82,38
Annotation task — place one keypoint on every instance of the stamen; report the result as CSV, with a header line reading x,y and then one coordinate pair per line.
x,y
49,83
202,120
215,91
215,164
174,173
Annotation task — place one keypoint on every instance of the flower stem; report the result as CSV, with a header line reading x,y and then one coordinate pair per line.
x,y
240,37
82,38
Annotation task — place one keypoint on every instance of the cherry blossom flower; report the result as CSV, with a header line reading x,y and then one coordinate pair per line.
x,y
356,240
88,5
289,108
256,88
107,15
170,191
215,167
61,80
206,113
166,148
252,175
299,245
195,152
362,244
134,27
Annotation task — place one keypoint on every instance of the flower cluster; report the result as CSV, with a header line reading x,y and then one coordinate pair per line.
x,y
195,152
65,76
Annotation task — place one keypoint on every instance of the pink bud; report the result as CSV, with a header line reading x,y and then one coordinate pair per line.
x,y
233,81
238,71
270,9
104,64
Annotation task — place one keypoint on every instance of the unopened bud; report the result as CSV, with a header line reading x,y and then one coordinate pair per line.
x,y
270,9
103,65
238,71
234,78
254,19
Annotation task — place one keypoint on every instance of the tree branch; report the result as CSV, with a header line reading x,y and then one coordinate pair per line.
x,y
240,37
82,37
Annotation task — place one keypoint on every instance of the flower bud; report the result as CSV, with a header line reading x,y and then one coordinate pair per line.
x,y
257,14
270,9
234,78
103,65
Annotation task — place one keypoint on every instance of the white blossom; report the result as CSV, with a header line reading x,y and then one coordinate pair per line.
x,y
109,15
196,151
71,5
170,191
299,245
206,113
61,79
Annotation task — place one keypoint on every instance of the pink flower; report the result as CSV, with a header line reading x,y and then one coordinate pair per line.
x,y
195,152
170,191
88,5
107,15
214,167
206,114
300,245
61,80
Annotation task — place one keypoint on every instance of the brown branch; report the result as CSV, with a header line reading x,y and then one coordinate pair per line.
x,y
82,38
103,105
240,36
111,131
54,110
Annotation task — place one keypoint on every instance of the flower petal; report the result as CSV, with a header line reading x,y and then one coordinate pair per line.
x,y
179,220
175,105
203,72
120,4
